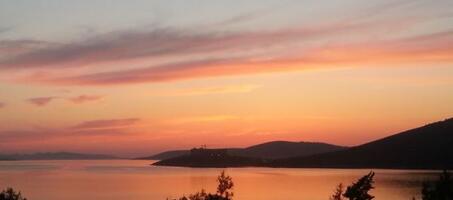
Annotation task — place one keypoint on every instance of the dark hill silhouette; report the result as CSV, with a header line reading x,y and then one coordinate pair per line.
x,y
427,147
210,158
268,150
56,156
165,155
285,149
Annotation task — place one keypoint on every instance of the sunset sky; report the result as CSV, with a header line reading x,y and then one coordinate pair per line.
x,y
133,78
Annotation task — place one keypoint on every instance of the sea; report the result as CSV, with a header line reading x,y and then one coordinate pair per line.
x,y
139,180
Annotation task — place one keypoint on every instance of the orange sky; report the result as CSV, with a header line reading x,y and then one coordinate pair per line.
x,y
136,83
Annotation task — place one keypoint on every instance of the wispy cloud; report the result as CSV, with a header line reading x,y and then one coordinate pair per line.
x,y
8,136
41,101
84,129
2,104
163,42
206,119
85,98
167,54
106,124
223,89
12,48
433,47
167,41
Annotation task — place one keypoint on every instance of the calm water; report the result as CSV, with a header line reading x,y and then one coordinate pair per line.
x,y
137,180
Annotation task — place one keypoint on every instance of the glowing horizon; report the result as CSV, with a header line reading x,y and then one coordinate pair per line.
x,y
136,78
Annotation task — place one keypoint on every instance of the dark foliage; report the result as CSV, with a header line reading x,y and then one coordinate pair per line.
x,y
360,189
441,189
225,186
10,194
223,190
338,194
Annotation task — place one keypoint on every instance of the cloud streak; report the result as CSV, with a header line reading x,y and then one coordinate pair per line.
x,y
170,54
162,42
44,101
7,136
84,99
103,127
40,101
427,48
225,89
12,48
106,124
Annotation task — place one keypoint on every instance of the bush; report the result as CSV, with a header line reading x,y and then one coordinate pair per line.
x,y
223,190
357,191
360,189
338,194
441,189
10,194
225,186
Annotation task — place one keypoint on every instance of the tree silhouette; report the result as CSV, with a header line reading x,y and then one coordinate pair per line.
x,y
441,189
10,194
197,196
225,186
223,190
360,189
338,194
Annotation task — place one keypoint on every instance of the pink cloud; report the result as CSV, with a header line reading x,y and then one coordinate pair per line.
x,y
169,54
222,89
106,124
85,98
425,48
40,101
87,128
163,42
2,104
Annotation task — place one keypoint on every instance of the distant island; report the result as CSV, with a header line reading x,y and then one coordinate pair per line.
x,y
426,147
268,150
165,155
254,155
56,156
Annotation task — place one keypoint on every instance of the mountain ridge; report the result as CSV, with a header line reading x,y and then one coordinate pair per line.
x,y
428,146
425,147
264,150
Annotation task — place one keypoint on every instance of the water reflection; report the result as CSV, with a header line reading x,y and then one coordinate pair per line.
x,y
135,179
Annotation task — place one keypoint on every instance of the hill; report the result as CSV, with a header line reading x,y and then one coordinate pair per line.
x,y
165,155
285,149
426,147
56,156
215,158
268,150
